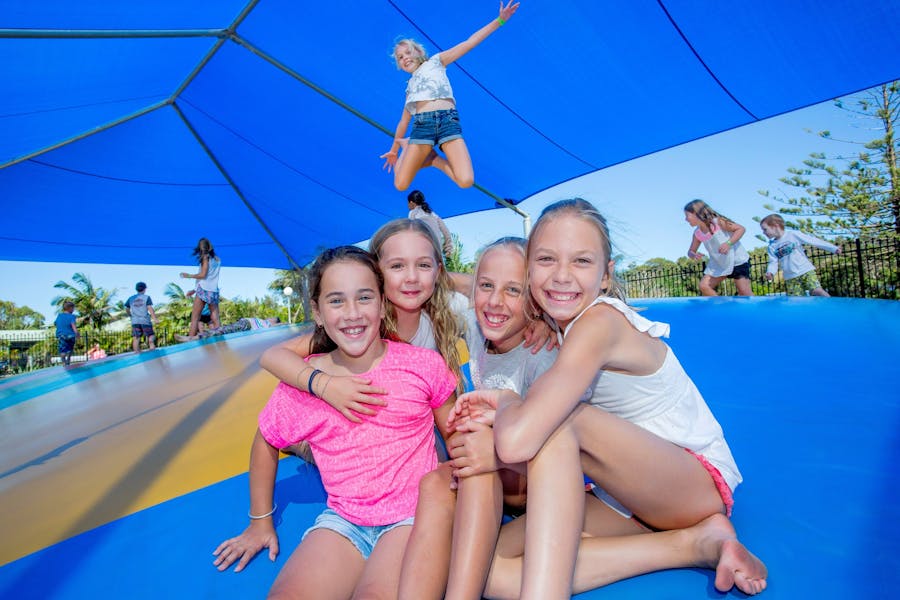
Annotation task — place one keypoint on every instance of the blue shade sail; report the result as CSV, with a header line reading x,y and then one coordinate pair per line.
x,y
260,124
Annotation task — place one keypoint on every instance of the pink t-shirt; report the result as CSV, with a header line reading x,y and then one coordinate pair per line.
x,y
370,470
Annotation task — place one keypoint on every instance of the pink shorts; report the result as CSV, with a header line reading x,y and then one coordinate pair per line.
x,y
721,486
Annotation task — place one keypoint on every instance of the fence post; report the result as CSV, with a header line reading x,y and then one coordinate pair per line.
x,y
859,267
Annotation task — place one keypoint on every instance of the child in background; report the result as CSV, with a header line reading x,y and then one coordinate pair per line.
x,y
786,251
432,108
645,435
96,352
721,237
468,521
140,308
207,289
66,332
370,469
419,209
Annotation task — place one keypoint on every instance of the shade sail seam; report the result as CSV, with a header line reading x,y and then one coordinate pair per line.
x,y
85,134
76,107
484,88
109,33
129,246
703,62
234,186
281,161
123,179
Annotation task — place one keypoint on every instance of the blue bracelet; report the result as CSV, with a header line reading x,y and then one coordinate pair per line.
x,y
309,382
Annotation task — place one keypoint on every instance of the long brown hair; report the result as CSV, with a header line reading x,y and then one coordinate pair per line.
x,y
705,213
448,328
320,342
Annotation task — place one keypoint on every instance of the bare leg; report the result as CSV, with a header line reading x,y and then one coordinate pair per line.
x,y
819,292
743,287
382,572
196,309
409,163
479,511
556,509
603,560
151,342
214,320
458,164
426,561
310,571
709,284
135,343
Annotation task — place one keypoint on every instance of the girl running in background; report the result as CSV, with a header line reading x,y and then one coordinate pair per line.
x,y
727,257
432,108
207,290
646,436
370,470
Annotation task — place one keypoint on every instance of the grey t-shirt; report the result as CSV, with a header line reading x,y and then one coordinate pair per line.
x,y
138,304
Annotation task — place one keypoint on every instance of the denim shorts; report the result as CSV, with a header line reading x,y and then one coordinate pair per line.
x,y
435,127
364,537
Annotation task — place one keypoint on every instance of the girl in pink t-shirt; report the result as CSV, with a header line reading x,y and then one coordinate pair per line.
x,y
370,469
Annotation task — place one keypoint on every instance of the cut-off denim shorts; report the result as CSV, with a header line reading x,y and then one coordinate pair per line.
x,y
435,127
364,537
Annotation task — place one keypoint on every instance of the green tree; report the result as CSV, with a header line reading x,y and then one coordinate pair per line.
x,y
94,305
455,263
856,195
299,303
19,317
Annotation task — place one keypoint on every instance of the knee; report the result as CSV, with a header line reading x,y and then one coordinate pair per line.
x,y
466,181
435,492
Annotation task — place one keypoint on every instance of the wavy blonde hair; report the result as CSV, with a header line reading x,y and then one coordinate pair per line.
x,y
448,328
584,210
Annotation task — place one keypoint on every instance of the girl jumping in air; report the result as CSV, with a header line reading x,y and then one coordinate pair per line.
x,y
431,107
371,469
617,406
722,238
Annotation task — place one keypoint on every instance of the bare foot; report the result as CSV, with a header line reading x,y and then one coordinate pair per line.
x,y
733,563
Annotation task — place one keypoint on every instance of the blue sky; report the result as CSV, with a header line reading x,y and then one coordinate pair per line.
x,y
642,200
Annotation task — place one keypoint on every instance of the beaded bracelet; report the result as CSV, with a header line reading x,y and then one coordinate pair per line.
x,y
268,514
309,382
501,21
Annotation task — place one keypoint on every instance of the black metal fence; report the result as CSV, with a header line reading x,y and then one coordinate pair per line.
x,y
864,269
23,351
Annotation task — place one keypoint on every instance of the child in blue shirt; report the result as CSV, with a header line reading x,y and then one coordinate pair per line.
x,y
66,331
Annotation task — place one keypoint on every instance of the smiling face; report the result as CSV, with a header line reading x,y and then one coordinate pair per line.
x,y
349,307
568,267
408,58
410,270
499,297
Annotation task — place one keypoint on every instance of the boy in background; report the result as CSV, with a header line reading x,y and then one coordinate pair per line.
x,y
140,308
66,332
786,251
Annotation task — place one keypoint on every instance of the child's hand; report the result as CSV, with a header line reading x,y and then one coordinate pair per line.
x,y
472,452
724,248
696,255
351,395
509,10
258,535
769,277
838,251
190,293
479,405
538,333
390,159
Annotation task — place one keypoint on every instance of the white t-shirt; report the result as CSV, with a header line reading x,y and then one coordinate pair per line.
x,y
428,82
210,283
424,336
787,252
432,220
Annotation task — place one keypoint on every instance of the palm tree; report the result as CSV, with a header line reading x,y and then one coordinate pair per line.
x,y
93,305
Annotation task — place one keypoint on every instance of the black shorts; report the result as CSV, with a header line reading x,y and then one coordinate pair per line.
x,y
741,271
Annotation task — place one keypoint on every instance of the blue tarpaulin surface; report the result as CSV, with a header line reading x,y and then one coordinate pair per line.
x,y
259,124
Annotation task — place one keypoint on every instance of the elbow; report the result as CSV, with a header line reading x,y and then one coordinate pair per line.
x,y
513,446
